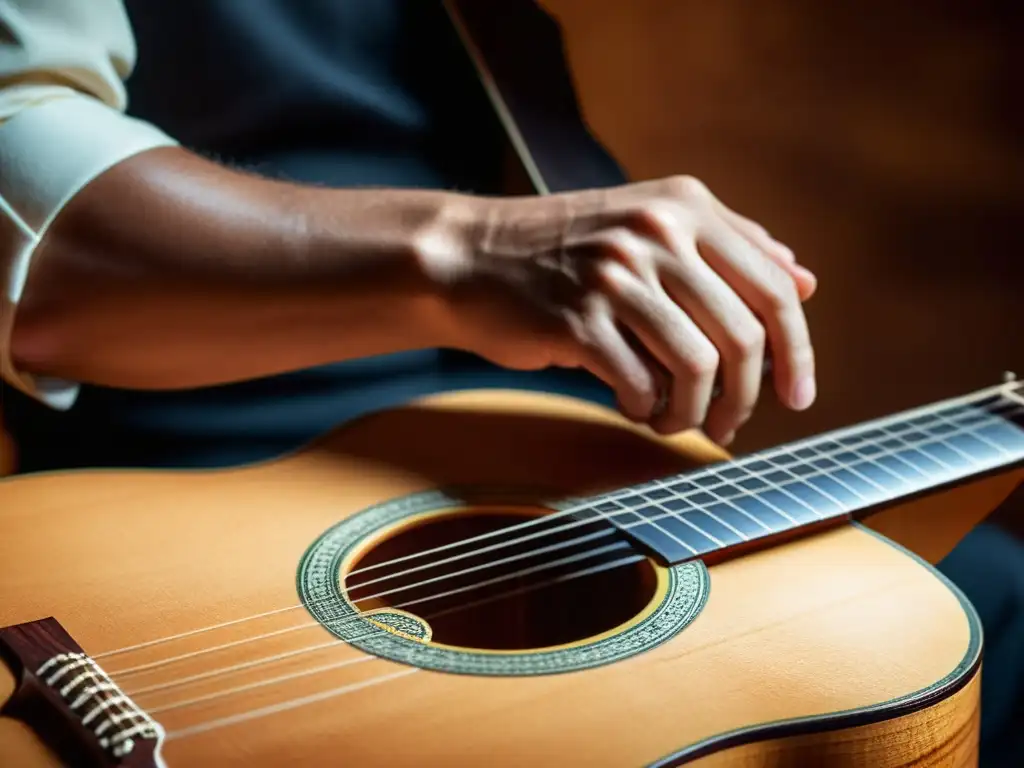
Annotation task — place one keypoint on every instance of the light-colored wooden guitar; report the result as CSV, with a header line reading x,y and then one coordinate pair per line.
x,y
509,579
498,578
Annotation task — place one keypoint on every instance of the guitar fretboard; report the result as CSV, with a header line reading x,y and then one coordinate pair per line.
x,y
837,475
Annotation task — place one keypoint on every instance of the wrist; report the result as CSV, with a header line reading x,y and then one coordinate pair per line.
x,y
442,254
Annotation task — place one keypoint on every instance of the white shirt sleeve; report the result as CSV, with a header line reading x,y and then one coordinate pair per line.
x,y
62,123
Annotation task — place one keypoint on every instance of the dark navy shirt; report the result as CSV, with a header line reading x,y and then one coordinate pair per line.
x,y
334,92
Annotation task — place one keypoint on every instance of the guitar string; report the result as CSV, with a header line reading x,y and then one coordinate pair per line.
x,y
152,711
300,605
289,705
568,560
180,682
286,705
219,694
359,617
965,430
972,399
401,605
442,577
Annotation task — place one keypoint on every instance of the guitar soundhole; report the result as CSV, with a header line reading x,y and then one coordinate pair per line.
x,y
555,584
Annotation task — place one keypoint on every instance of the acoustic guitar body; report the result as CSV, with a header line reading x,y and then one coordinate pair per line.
x,y
212,602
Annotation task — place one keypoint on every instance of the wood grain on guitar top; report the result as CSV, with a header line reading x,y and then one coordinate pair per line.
x,y
841,622
944,735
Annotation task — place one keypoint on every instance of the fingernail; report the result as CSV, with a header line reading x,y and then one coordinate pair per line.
x,y
727,440
804,393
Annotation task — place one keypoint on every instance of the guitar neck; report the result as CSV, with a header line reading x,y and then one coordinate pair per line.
x,y
822,480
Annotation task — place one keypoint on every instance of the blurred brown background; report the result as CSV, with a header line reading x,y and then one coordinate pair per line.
x,y
882,141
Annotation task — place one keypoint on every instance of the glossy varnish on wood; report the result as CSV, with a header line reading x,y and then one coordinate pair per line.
x,y
838,622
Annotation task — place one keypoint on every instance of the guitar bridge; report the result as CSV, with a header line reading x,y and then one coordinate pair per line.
x,y
72,704
114,719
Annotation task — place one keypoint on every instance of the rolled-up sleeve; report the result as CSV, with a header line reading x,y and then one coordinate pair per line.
x,y
62,123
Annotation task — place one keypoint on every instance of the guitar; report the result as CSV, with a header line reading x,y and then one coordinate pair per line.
x,y
500,578
503,578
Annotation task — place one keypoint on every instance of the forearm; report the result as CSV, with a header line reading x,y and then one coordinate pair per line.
x,y
169,271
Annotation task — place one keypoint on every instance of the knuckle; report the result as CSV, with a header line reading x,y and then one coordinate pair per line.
x,y
615,280
618,244
780,294
748,340
623,258
703,364
689,188
641,392
655,217
614,241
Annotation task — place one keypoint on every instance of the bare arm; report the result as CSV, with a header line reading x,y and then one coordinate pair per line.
x,y
127,261
170,271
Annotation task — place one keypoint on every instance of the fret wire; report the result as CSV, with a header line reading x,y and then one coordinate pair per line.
x,y
780,489
949,444
812,444
819,449
991,420
854,448
850,468
898,418
650,521
897,455
911,446
882,467
760,476
817,454
724,500
800,479
962,429
773,505
682,518
611,522
712,515
833,478
959,429
743,492
719,520
754,494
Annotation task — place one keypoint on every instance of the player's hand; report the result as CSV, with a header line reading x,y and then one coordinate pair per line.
x,y
655,287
